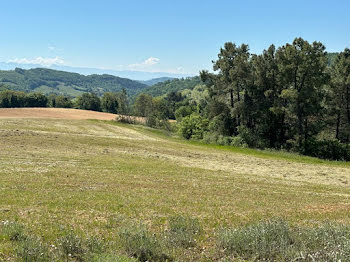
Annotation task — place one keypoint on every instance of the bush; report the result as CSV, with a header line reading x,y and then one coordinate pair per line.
x,y
138,242
182,231
125,119
327,149
193,126
155,122
182,112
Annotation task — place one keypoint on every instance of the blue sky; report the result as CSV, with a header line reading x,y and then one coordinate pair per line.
x,y
166,36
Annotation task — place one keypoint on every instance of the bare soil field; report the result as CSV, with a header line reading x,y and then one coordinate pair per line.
x,y
57,113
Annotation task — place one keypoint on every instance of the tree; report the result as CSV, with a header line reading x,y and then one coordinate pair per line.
x,y
302,69
143,105
264,105
109,102
232,79
340,92
123,103
89,101
35,100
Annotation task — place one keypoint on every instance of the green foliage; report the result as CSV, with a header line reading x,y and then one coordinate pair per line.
x,y
327,149
10,98
154,81
109,102
59,101
182,112
339,100
280,99
29,80
175,85
143,105
193,126
89,101
138,242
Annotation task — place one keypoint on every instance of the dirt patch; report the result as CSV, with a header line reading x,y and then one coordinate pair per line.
x,y
58,113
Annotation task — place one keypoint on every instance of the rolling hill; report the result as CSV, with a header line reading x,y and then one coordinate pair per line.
x,y
125,186
154,81
174,85
50,81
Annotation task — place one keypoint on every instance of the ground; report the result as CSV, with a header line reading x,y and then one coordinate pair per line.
x,y
68,169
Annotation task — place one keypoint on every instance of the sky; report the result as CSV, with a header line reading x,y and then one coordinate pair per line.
x,y
160,36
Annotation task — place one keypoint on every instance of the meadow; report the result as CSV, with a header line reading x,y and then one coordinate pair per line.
x,y
99,180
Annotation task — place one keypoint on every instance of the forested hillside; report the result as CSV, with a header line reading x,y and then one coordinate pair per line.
x,y
50,81
154,81
175,85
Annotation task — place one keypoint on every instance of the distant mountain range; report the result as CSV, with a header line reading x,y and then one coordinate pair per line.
x,y
50,81
134,75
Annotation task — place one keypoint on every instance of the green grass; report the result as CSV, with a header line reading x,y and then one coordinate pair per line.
x,y
96,177
267,153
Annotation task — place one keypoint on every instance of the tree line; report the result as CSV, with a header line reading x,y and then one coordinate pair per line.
x,y
112,102
287,98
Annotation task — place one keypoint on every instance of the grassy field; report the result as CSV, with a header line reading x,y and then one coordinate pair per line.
x,y
94,177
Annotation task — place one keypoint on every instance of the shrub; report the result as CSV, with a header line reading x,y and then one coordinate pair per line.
x,y
271,240
14,231
329,242
71,246
125,119
182,112
327,149
32,250
193,126
182,231
138,242
156,122
275,241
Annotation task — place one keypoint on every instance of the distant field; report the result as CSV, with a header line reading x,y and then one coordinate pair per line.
x,y
62,113
68,171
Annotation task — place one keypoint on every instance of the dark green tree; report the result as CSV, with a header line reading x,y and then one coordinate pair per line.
x,y
89,101
340,95
302,68
109,102
143,105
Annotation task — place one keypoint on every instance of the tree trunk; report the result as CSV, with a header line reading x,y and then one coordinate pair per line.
x,y
231,98
338,125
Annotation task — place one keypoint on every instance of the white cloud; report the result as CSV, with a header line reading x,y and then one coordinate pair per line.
x,y
145,64
43,61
